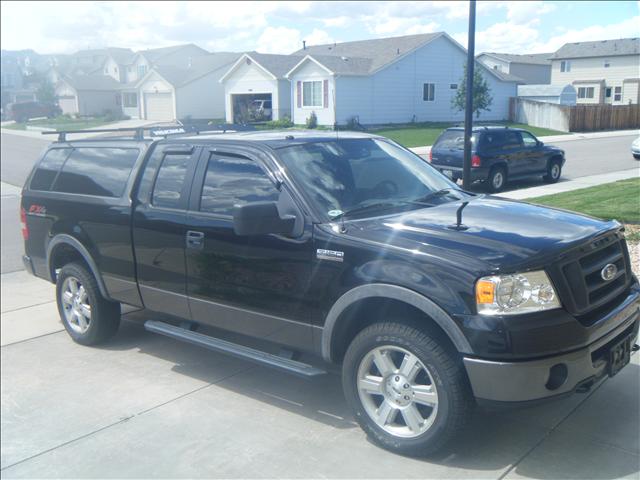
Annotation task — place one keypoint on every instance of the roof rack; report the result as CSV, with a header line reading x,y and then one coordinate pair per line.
x,y
157,131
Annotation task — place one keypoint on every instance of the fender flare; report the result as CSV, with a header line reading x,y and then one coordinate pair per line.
x,y
442,318
65,239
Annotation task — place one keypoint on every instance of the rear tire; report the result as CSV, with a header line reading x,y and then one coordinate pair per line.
x,y
412,411
497,179
87,316
554,171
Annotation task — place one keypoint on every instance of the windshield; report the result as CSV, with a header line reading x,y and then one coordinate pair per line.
x,y
343,176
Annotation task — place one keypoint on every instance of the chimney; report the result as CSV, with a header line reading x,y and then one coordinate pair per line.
x,y
304,44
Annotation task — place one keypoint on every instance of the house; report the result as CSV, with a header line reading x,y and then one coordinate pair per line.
x,y
14,83
606,71
258,76
175,56
559,94
88,95
169,92
531,68
389,80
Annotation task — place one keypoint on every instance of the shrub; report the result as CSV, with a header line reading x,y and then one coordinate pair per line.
x,y
312,121
284,122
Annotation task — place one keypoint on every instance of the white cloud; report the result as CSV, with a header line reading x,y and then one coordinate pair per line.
x,y
279,40
318,37
341,21
525,12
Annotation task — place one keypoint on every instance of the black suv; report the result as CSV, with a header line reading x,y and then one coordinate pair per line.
x,y
498,154
317,249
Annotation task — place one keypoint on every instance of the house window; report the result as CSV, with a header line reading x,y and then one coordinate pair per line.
x,y
142,70
453,86
617,94
586,92
312,94
607,92
130,100
565,66
607,64
429,92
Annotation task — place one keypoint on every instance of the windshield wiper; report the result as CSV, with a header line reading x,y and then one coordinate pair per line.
x,y
373,206
437,193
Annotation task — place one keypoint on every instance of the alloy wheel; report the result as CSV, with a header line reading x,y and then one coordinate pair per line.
x,y
397,391
77,308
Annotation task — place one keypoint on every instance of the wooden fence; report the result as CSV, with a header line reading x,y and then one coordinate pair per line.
x,y
577,118
591,118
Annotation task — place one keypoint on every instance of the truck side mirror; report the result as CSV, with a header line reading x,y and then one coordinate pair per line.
x,y
261,218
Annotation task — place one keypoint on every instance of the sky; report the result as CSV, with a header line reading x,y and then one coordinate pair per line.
x,y
280,27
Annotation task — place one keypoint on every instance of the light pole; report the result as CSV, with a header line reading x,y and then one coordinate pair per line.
x,y
468,108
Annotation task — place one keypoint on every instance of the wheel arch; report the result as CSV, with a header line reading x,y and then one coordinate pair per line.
x,y
64,246
338,320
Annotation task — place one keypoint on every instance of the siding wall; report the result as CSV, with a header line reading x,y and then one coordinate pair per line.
x,y
492,62
394,95
202,98
621,68
532,74
112,69
312,72
96,102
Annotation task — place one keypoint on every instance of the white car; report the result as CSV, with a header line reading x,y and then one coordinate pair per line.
x,y
635,148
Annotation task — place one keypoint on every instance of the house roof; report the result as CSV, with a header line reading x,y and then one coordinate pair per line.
x,y
122,56
275,65
544,90
505,77
380,51
600,48
200,66
156,55
91,82
530,58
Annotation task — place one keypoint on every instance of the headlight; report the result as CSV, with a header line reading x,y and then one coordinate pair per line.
x,y
515,294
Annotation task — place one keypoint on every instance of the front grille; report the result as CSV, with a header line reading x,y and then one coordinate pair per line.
x,y
584,288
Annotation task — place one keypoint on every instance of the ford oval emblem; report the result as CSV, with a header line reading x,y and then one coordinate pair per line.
x,y
608,272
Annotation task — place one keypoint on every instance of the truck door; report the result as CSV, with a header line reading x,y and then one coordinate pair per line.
x,y
534,157
255,285
159,229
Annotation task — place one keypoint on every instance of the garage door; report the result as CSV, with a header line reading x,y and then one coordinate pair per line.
x,y
68,104
159,106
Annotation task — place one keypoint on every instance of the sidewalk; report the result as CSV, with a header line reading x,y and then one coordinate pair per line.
x,y
569,185
424,150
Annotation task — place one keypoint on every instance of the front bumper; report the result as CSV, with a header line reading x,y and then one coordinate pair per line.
x,y
530,380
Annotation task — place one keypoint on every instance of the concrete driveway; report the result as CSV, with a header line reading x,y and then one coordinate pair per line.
x,y
148,406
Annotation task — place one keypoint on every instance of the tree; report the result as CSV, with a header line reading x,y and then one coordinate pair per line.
x,y
46,93
482,98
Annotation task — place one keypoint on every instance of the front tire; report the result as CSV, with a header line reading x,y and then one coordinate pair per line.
x,y
408,393
87,316
554,171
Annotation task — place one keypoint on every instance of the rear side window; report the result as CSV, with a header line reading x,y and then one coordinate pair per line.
x,y
48,168
231,181
167,190
98,171
454,140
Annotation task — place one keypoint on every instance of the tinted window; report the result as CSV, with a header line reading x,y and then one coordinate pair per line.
x,y
231,181
528,139
96,171
454,140
512,140
48,168
170,180
492,140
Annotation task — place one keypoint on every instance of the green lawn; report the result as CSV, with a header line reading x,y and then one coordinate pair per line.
x,y
64,123
420,134
618,200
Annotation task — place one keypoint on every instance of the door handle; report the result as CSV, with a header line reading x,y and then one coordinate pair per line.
x,y
195,240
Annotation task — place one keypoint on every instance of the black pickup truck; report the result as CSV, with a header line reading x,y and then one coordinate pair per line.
x,y
335,249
